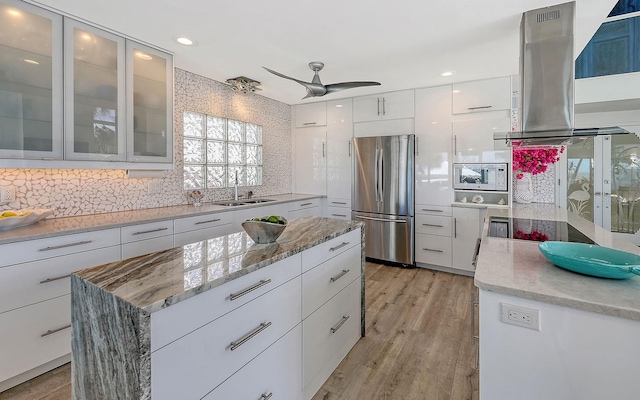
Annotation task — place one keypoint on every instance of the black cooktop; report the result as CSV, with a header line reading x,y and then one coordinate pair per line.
x,y
535,229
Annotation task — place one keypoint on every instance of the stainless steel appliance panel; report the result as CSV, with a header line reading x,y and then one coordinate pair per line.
x,y
364,190
389,238
396,169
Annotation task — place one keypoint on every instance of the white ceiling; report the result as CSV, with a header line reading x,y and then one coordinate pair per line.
x,y
402,44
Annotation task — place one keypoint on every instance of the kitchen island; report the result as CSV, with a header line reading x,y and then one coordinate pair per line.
x,y
582,343
198,320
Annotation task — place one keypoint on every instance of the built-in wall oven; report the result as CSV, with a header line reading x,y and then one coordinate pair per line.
x,y
480,177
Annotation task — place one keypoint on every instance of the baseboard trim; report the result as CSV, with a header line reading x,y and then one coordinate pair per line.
x,y
25,376
446,269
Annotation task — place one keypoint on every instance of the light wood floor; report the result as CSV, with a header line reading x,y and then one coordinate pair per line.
x,y
417,347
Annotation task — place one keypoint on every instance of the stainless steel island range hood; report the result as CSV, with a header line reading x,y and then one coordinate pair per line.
x,y
547,70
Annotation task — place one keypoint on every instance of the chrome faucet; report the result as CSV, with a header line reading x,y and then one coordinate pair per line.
x,y
235,188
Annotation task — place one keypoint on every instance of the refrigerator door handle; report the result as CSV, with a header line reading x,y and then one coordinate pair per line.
x,y
381,177
395,221
375,173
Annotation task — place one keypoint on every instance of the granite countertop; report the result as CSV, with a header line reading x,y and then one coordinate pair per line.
x,y
68,225
158,280
517,268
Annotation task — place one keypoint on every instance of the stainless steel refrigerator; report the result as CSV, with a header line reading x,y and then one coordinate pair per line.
x,y
382,196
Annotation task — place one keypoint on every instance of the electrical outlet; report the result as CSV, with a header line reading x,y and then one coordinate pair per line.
x,y
7,194
154,186
520,316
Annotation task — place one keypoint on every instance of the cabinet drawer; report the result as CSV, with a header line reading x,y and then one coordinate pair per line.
x,y
22,340
135,249
433,224
339,213
178,320
29,283
201,222
151,230
433,249
32,250
432,209
305,212
276,372
327,279
197,363
328,335
324,251
299,205
336,202
198,235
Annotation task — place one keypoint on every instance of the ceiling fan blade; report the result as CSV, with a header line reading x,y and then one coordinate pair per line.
x,y
286,77
336,87
313,89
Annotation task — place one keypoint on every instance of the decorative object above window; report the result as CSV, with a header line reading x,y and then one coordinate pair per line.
x,y
216,148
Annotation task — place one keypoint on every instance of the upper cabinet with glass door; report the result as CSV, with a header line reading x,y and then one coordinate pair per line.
x,y
94,94
30,82
150,104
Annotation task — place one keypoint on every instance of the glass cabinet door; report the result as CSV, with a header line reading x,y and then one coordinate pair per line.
x,y
30,82
94,94
150,104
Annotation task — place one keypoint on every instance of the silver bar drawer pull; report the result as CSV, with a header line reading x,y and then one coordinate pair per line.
x,y
339,215
479,108
240,342
342,321
207,222
339,246
150,231
430,210
305,204
338,202
308,123
434,250
436,225
52,331
56,278
250,289
340,275
266,396
62,246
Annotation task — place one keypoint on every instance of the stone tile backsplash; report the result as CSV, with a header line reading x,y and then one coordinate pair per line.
x,y
88,191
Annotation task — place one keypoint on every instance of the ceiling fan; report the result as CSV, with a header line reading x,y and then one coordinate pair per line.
x,y
315,88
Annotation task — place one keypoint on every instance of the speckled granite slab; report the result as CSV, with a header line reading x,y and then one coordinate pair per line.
x,y
517,268
86,223
112,303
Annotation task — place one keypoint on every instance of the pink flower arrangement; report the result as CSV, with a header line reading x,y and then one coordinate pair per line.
x,y
534,159
535,235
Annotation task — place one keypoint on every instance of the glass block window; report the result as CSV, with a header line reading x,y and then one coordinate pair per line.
x,y
615,47
216,150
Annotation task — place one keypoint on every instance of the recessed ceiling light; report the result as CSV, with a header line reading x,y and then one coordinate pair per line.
x,y
14,13
143,56
434,122
34,62
185,40
86,36
447,73
338,105
455,91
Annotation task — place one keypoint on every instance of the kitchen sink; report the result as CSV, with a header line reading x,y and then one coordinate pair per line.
x,y
254,201
229,203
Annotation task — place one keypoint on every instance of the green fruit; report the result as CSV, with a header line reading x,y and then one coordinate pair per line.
x,y
273,219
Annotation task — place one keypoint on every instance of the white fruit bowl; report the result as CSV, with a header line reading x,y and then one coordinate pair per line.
x,y
24,217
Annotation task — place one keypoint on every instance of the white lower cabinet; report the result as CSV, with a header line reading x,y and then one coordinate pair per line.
x,y
305,208
34,335
328,335
192,366
146,238
339,213
276,373
466,228
434,250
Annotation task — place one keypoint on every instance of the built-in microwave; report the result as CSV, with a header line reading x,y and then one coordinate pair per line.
x,y
480,177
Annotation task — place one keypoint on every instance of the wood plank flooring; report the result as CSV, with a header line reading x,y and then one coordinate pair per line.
x,y
418,344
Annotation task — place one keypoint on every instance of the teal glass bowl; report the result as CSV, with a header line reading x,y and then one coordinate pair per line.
x,y
590,259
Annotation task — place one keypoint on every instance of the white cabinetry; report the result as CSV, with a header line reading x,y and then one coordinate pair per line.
x,y
392,105
305,208
202,227
433,185
339,153
576,355
308,115
35,307
466,232
434,228
473,138
32,95
479,96
310,160
146,238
